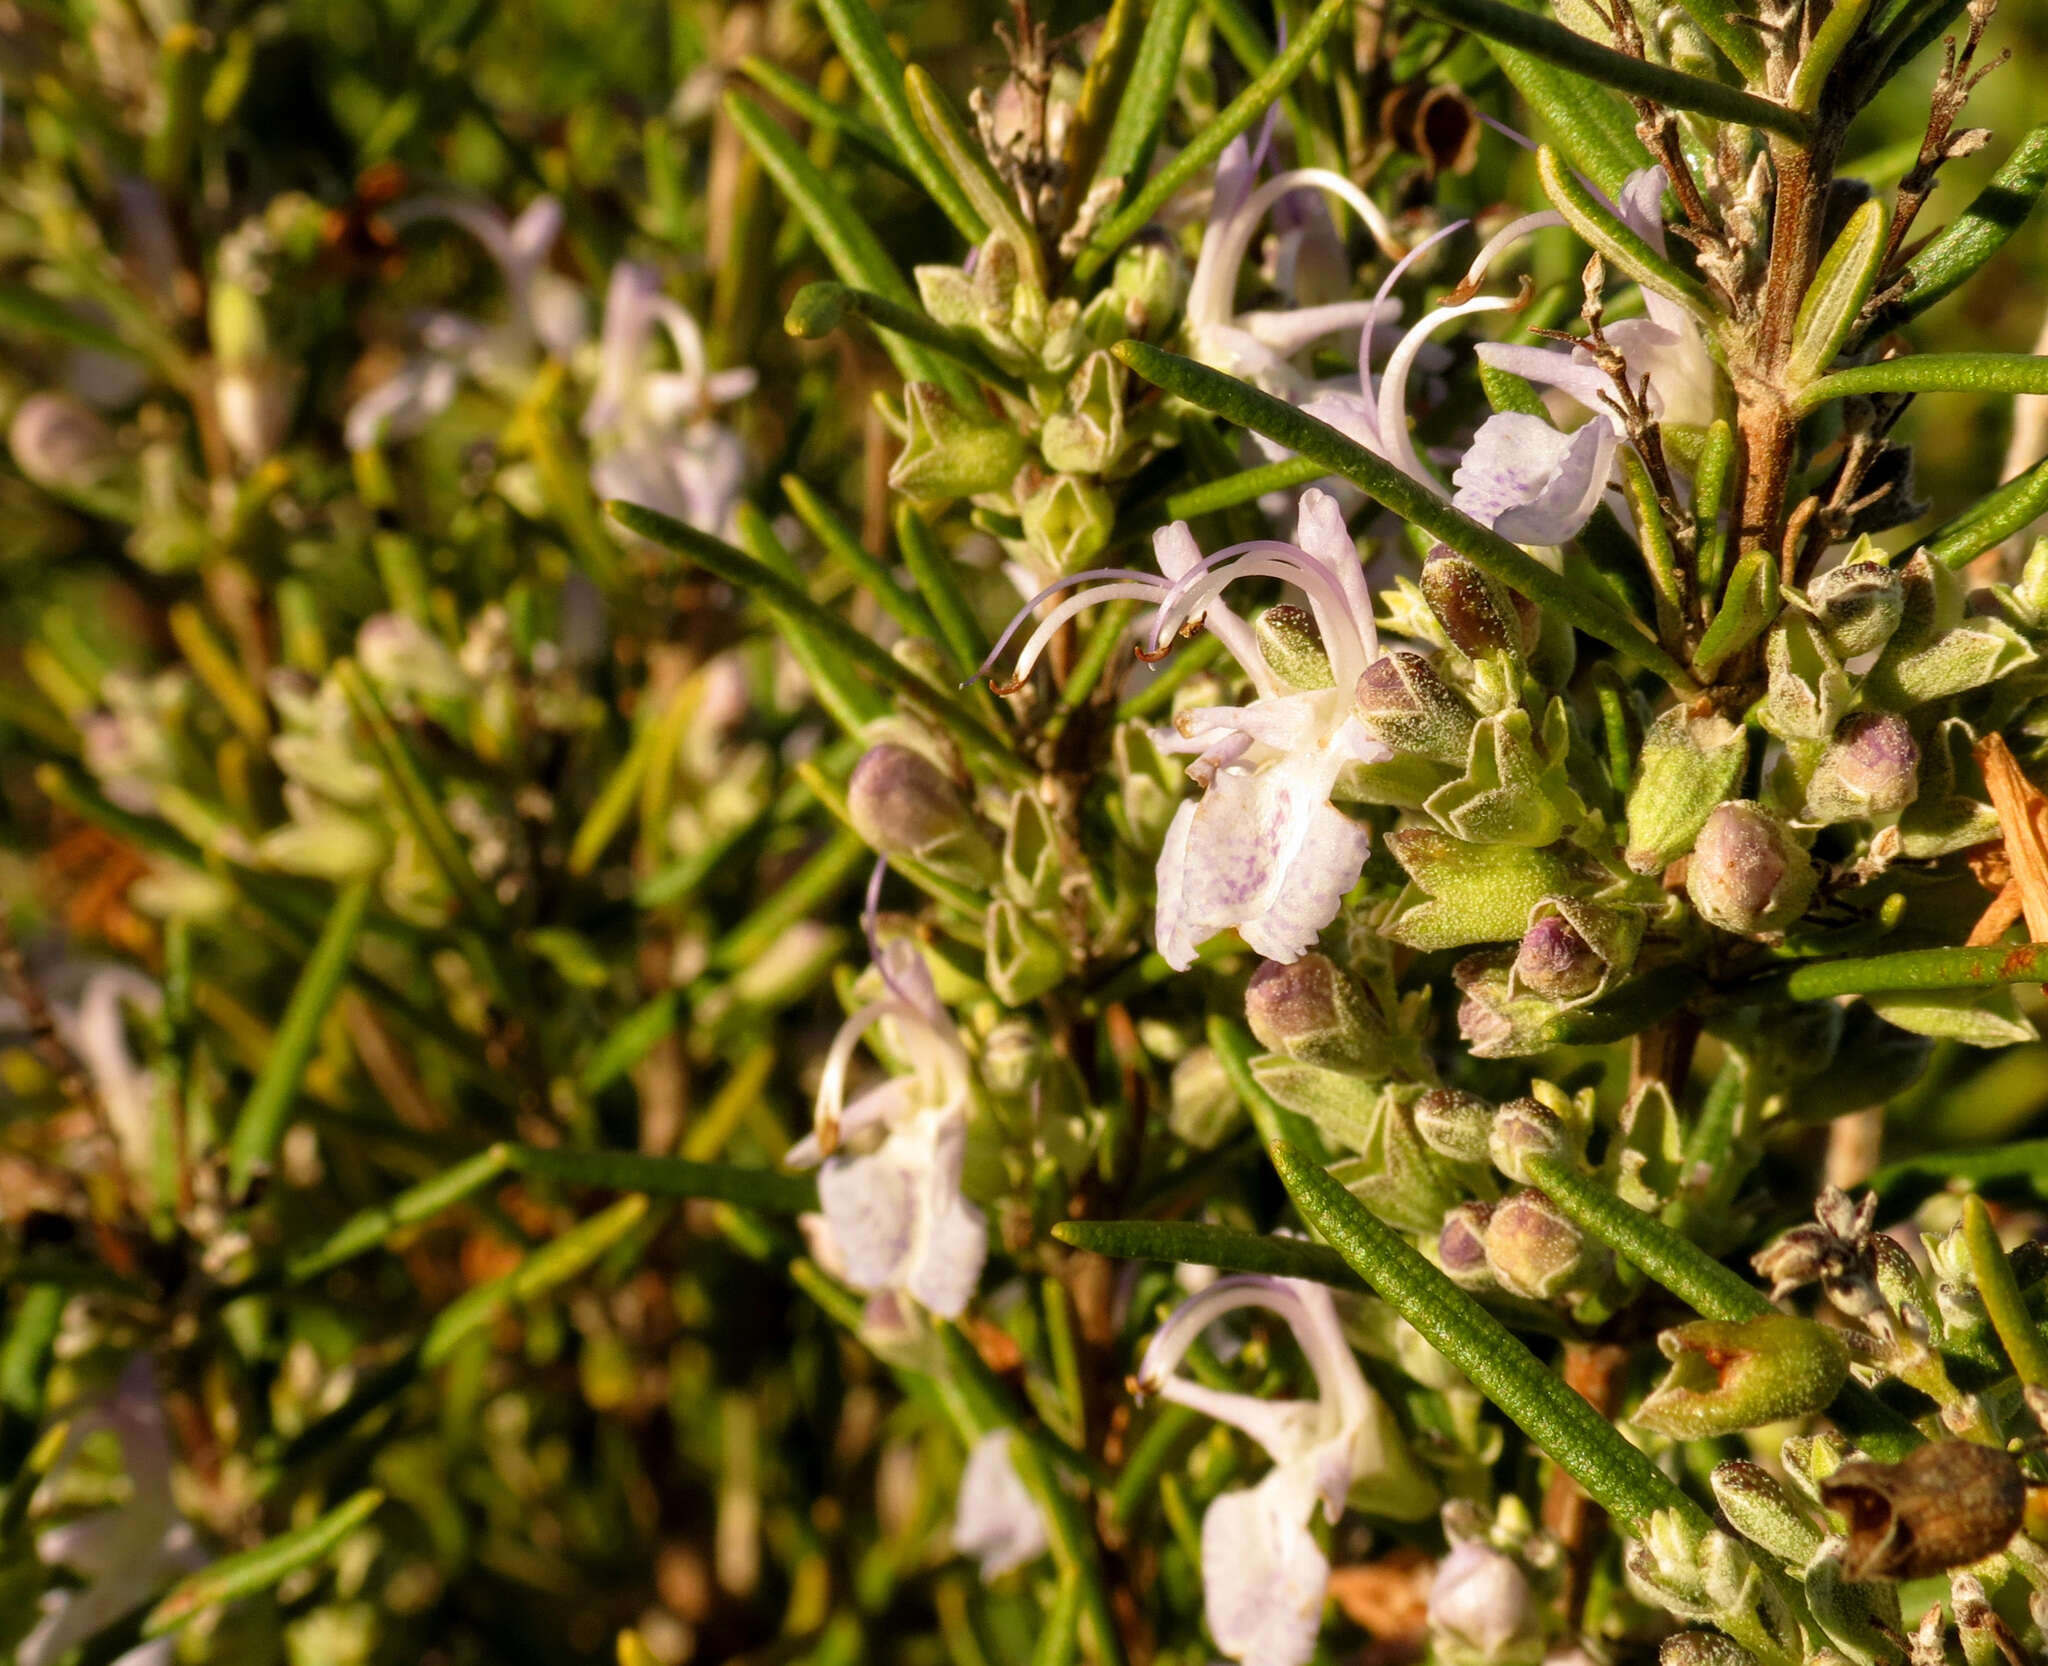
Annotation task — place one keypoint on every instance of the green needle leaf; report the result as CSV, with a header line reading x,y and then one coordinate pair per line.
x,y
629,1171
1239,114
259,1569
820,308
1496,21
806,101
1994,373
1141,112
1991,520
1618,242
363,1232
265,1112
1413,502
1574,1436
2024,1344
1913,969
1837,292
789,601
1209,1246
857,31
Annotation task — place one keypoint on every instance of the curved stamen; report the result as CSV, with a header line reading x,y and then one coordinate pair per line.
x,y
1172,1340
831,1101
1325,597
1128,575
1496,245
1336,185
1393,401
1041,638
1210,562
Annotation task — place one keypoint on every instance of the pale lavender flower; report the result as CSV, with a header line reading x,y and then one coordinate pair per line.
x,y
1259,345
995,1519
1263,1574
545,315
1537,484
657,445
1263,850
892,1202
1481,1610
125,1554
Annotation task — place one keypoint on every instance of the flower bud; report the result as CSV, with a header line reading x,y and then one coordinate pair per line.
x,y
1461,1246
59,442
1404,701
1536,1250
902,804
1726,1377
1688,765
1292,647
1011,1057
949,452
1479,615
1526,1128
1067,520
1764,1513
1945,1505
1022,960
1150,281
1870,768
1555,962
1454,1124
1703,1648
1748,874
1481,1610
1311,1010
1859,605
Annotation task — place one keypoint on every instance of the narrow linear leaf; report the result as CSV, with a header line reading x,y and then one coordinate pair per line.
x,y
789,601
374,1226
1244,487
1618,242
1141,113
2024,1344
1822,53
1745,613
1709,500
1914,969
851,703
857,31
1202,1245
804,99
1105,87
1972,237
628,1042
1738,42
1495,20
2021,1166
1407,498
1834,298
959,152
839,541
1235,1049
1586,122
847,240
259,1569
933,572
261,1124
630,1171
820,308
1995,373
2017,504
1201,151
1574,1436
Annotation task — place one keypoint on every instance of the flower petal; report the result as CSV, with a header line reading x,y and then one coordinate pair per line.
x,y
995,1518
1531,483
1263,1575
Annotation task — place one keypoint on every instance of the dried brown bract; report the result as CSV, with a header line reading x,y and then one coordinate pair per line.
x,y
1947,1505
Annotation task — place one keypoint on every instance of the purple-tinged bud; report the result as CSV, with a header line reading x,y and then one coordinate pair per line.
x,y
1479,614
1402,699
1311,1010
1858,605
58,442
1293,648
1488,1033
1526,1128
1871,768
1461,1246
1726,1377
1481,1610
1748,874
902,804
1454,1124
1555,962
1535,1249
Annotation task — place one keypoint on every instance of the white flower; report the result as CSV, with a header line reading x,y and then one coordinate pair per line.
x,y
657,446
1259,345
1263,850
1535,484
897,1220
996,1519
1481,1609
125,1554
545,315
1263,1574
95,1030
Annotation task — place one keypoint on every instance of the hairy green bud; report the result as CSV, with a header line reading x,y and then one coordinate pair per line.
x,y
1726,1377
1404,701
